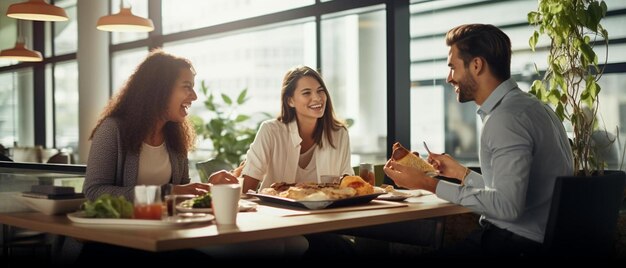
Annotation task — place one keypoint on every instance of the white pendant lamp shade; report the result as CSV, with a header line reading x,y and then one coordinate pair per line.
x,y
21,53
36,10
125,21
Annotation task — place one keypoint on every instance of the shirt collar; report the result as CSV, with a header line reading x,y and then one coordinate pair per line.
x,y
495,97
293,133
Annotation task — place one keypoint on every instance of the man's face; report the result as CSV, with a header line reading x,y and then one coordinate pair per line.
x,y
460,78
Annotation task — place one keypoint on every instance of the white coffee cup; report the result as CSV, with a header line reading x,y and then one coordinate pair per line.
x,y
225,203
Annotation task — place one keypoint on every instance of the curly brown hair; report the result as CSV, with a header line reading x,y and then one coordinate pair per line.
x,y
143,100
327,123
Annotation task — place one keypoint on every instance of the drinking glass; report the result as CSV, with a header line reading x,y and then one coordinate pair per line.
x,y
148,203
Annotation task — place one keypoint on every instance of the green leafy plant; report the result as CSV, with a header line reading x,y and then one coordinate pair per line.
x,y
570,82
228,129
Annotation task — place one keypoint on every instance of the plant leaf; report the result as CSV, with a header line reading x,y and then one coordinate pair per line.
x,y
227,99
242,96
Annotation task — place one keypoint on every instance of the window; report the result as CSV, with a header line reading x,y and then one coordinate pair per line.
x,y
66,32
66,105
454,128
354,69
16,111
256,60
124,63
193,14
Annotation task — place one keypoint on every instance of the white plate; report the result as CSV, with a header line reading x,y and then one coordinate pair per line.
x,y
400,195
78,217
244,205
392,197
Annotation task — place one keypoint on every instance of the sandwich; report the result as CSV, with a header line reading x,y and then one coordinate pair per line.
x,y
404,157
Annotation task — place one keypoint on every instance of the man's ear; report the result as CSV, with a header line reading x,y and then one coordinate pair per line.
x,y
478,66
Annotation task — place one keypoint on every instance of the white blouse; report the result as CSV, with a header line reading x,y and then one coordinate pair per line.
x,y
275,152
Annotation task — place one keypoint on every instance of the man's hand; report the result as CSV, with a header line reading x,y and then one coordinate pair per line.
x,y
409,177
447,166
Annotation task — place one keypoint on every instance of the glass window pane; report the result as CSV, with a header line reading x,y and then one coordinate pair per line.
x,y
354,67
124,64
16,108
247,60
196,14
66,105
138,8
8,99
458,130
66,32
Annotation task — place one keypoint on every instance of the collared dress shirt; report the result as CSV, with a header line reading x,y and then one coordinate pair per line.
x,y
523,148
275,152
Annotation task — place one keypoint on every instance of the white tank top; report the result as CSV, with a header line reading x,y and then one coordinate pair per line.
x,y
154,165
309,173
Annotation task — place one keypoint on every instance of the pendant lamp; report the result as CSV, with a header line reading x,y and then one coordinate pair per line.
x,y
36,10
20,52
124,21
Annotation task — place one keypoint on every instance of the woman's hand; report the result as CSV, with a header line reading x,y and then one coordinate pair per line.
x,y
223,177
237,171
409,177
447,166
194,188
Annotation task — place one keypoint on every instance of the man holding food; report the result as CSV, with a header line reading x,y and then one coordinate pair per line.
x,y
523,148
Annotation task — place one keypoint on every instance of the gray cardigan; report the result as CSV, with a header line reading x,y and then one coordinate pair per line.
x,y
113,172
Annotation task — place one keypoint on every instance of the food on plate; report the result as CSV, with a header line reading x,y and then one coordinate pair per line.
x,y
203,201
406,158
309,191
358,183
107,206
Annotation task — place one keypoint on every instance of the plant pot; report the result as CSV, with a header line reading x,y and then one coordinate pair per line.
x,y
584,214
208,167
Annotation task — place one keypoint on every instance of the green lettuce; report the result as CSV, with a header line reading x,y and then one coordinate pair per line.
x,y
107,206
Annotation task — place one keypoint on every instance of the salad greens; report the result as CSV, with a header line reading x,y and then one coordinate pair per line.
x,y
107,206
203,201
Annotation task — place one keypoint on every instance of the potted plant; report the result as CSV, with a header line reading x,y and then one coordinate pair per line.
x,y
570,82
229,131
573,27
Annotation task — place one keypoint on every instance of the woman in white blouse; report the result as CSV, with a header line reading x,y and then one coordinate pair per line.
x,y
305,142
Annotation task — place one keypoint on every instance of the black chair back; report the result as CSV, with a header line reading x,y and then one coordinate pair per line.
x,y
583,215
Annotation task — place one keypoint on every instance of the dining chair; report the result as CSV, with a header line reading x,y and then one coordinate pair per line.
x,y
206,168
61,158
583,215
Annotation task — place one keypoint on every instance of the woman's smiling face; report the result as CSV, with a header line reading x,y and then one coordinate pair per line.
x,y
182,96
309,98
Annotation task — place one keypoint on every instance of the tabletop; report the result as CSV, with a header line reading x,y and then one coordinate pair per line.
x,y
268,222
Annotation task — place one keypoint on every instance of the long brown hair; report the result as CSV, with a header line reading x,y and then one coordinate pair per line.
x,y
486,41
143,100
327,123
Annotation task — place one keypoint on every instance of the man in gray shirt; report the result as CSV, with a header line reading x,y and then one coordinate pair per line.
x,y
523,148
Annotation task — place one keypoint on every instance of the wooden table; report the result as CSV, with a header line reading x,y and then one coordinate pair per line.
x,y
250,226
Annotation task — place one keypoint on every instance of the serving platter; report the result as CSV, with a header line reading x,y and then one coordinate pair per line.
x,y
350,201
